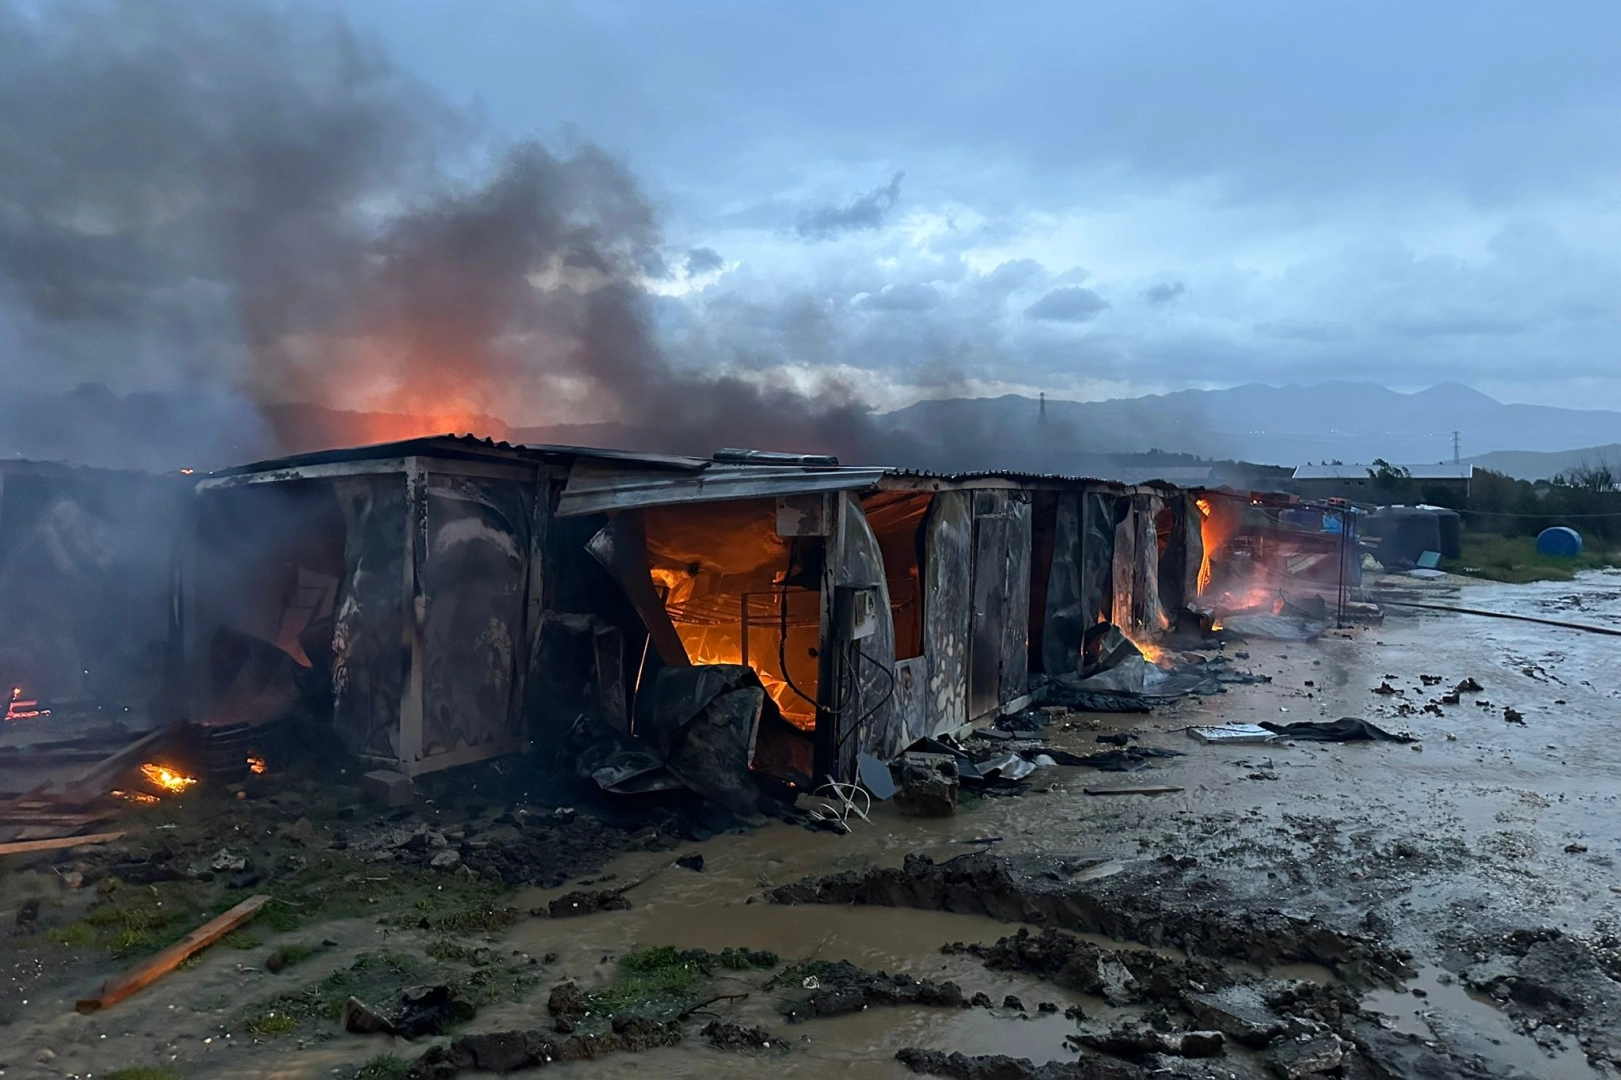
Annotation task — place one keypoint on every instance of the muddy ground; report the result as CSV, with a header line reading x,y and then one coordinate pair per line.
x,y
1450,907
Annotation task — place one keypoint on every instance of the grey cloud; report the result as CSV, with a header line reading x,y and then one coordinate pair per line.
x,y
866,212
1010,275
1072,303
914,297
1164,292
703,260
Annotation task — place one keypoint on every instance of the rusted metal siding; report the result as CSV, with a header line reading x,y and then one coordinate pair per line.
x,y
947,609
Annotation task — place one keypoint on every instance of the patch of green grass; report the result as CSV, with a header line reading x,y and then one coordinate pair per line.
x,y
336,887
382,1067
1515,559
272,1023
646,975
665,972
242,939
135,920
145,1072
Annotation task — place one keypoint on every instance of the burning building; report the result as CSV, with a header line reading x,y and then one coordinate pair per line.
x,y
446,600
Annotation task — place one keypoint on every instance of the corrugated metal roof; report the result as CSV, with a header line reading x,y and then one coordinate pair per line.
x,y
463,447
1360,472
594,488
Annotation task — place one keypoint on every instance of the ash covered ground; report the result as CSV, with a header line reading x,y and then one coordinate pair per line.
x,y
1449,907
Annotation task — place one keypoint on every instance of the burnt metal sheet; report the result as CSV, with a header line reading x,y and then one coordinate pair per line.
x,y
1125,565
1146,614
621,547
993,534
947,609
873,710
369,666
1175,587
594,488
911,683
1067,617
473,581
1100,514
1014,682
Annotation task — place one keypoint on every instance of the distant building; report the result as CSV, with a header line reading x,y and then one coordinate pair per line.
x,y
1356,481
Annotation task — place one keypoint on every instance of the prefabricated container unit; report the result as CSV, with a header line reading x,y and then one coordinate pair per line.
x,y
412,572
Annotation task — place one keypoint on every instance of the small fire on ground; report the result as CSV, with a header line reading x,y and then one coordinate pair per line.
x,y
1154,654
140,798
256,764
21,708
168,779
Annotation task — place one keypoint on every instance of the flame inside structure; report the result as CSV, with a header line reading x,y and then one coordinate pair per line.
x,y
21,708
722,644
256,764
166,778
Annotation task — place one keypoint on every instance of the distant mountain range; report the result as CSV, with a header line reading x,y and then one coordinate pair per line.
x,y
1289,425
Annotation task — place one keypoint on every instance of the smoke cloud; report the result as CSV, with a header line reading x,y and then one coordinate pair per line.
x,y
241,218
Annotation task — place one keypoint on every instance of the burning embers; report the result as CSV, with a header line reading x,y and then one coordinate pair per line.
x,y
166,779
21,708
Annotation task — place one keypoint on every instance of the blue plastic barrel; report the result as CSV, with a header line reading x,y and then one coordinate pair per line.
x,y
1559,540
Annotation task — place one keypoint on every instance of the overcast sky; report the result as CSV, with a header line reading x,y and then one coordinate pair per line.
x,y
1097,198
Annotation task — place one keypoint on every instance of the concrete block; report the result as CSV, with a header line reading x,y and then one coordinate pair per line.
x,y
392,789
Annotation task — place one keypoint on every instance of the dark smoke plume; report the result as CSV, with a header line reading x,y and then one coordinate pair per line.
x,y
231,212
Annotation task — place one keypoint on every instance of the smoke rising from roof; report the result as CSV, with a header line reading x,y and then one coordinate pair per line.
x,y
240,207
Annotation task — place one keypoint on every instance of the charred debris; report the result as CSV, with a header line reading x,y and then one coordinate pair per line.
x,y
748,627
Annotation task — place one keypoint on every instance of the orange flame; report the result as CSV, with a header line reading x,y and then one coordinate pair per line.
x,y
166,778
140,798
256,764
1217,524
1154,654
723,645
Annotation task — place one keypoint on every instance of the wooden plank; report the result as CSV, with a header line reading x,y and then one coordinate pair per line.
x,y
22,847
157,966
1131,790
94,782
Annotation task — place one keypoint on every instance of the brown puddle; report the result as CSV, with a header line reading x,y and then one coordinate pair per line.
x,y
1470,1024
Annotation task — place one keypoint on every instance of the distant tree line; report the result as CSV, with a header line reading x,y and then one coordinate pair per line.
x,y
1585,498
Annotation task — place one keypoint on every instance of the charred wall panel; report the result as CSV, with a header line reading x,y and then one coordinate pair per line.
x,y
948,609
370,643
1171,524
1014,682
1125,564
1146,614
473,585
1100,515
1067,615
993,535
874,710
